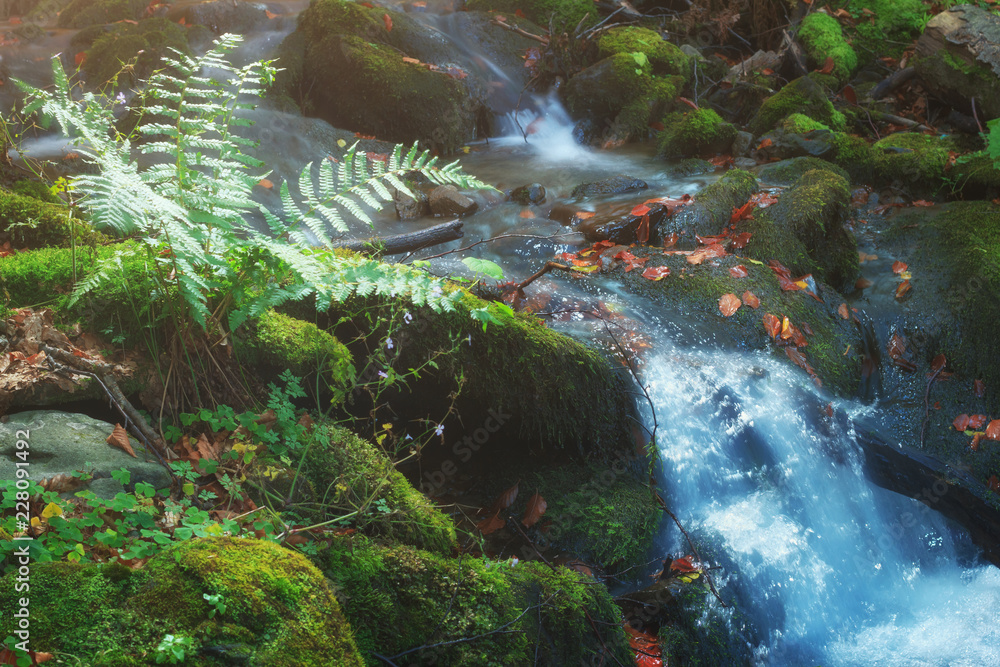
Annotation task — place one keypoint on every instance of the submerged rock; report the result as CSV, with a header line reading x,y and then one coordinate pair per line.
x,y
528,194
447,200
614,185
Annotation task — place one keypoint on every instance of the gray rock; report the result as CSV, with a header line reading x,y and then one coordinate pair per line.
x,y
615,185
447,200
222,16
61,443
409,208
744,163
742,144
528,194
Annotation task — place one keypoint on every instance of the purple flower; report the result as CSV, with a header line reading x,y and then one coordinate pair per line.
x,y
383,374
388,343
439,430
120,98
407,318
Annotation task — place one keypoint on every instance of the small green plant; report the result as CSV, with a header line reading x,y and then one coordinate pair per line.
x,y
174,649
218,604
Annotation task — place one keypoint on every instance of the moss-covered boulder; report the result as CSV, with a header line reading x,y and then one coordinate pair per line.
x,y
804,96
83,13
621,96
279,608
912,159
822,38
398,598
788,172
276,342
345,472
805,229
665,58
695,132
27,221
355,72
145,43
565,14
712,208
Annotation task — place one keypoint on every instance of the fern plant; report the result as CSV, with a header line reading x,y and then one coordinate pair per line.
x,y
191,206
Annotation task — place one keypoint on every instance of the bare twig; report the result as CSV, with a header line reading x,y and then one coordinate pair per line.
x,y
490,240
525,33
927,405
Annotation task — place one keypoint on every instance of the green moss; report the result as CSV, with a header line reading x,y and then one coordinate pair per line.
x,y
36,190
800,124
347,472
279,342
28,222
855,155
976,173
276,600
803,96
912,158
822,37
666,58
419,598
565,14
147,42
695,132
83,13
788,172
893,24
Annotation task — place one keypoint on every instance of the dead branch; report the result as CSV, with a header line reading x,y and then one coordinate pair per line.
x,y
408,242
520,31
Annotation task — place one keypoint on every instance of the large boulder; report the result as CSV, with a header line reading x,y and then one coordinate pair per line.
x,y
62,443
958,58
695,132
804,96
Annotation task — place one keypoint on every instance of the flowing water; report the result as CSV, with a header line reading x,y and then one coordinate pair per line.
x,y
825,567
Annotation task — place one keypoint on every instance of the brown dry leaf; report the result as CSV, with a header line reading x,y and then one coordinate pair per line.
x,y
842,311
206,450
119,439
772,325
491,524
898,267
863,283
729,304
903,289
535,509
750,300
993,430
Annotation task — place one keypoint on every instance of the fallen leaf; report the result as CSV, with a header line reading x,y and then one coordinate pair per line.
x,y
903,289
827,67
683,565
766,143
791,332
799,360
688,102
412,61
119,439
976,422
961,422
938,362
265,183
750,300
740,241
898,267
671,240
979,388
842,311
923,202
772,325
269,14
527,213
729,304
656,272
641,209
742,212
388,22
491,524
863,283
993,430
849,95
739,271
534,510
80,58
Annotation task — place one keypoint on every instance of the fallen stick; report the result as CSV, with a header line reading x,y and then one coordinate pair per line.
x,y
408,242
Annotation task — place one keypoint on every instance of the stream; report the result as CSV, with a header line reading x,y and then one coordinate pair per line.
x,y
825,567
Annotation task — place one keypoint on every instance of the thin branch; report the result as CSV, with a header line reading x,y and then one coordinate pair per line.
x,y
490,240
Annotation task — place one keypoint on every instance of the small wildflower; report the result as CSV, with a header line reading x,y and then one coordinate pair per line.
x,y
407,318
409,437
383,374
514,561
120,98
439,430
469,338
388,343
436,291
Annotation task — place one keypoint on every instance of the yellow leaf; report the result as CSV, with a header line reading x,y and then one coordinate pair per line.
x,y
51,510
35,522
466,149
188,488
905,275
341,143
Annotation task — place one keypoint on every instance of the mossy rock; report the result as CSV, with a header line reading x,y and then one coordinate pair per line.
x,y
356,78
278,605
276,342
712,207
565,14
788,172
29,222
916,160
695,132
146,43
36,190
975,175
854,155
621,95
665,58
692,292
348,472
419,598
804,96
892,27
798,123
822,38
805,229
83,13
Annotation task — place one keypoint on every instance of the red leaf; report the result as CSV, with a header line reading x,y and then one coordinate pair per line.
x,y
903,288
671,240
656,272
491,524
742,212
923,202
738,271
750,299
993,430
80,58
979,388
961,422
683,565
765,144
799,360
642,231
729,304
266,184
269,14
938,362
388,22
688,102
740,241
535,509
994,484
631,261
898,267
827,66
849,95
791,332
976,422
641,209
772,325
507,498
842,311
119,439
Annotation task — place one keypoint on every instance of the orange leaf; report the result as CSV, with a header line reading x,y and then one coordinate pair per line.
x,y
903,288
993,430
182,21
671,240
641,209
269,14
979,388
743,212
738,271
729,304
535,509
923,202
642,231
842,311
976,422
266,184
412,61
961,422
772,325
527,213
656,273
80,58
863,283
791,332
827,66
519,13
14,20
898,267
388,22
119,439
683,565
740,241
688,102
491,525
750,300
765,144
